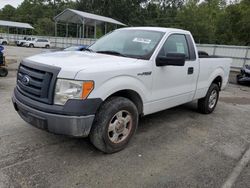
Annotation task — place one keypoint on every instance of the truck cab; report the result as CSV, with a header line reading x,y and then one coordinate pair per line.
x,y
102,91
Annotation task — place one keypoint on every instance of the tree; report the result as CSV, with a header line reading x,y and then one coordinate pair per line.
x,y
8,13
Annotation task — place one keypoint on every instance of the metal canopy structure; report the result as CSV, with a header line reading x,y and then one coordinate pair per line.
x,y
83,19
15,24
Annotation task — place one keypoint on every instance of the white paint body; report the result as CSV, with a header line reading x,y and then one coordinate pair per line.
x,y
166,87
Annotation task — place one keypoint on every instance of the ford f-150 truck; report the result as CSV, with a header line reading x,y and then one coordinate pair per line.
x,y
101,92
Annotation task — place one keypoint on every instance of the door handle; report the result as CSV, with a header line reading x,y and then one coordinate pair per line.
x,y
190,70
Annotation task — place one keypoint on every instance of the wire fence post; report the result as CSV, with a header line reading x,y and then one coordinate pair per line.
x,y
246,54
214,49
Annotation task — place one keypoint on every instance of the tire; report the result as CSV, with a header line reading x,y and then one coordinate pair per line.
x,y
31,45
238,77
47,46
110,131
207,104
4,43
3,72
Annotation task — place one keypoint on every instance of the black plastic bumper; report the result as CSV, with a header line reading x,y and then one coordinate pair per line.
x,y
72,107
61,122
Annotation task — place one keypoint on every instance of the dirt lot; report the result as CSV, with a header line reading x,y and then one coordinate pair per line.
x,y
174,148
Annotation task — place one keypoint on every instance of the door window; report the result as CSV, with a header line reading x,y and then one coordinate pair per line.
x,y
175,43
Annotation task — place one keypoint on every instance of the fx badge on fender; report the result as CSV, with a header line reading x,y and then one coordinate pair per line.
x,y
144,74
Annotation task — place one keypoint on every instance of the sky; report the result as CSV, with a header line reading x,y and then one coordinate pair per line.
x,y
13,3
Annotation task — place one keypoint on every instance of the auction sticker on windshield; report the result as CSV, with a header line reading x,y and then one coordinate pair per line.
x,y
142,40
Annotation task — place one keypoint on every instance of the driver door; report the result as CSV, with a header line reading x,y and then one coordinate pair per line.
x,y
174,85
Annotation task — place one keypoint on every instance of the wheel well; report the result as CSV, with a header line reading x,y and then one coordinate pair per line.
x,y
218,81
131,95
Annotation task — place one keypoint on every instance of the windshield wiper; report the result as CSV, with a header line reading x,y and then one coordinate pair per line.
x,y
88,49
111,52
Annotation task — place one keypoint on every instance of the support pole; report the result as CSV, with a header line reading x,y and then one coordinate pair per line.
x,y
77,31
55,29
87,31
83,28
95,30
105,28
67,29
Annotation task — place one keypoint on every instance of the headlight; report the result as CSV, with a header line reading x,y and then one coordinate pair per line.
x,y
71,89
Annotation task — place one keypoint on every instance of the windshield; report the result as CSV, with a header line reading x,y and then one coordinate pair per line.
x,y
129,43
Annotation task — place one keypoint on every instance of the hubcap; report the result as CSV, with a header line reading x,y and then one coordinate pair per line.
x,y
212,99
120,126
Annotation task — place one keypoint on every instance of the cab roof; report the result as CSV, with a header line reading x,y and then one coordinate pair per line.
x,y
160,29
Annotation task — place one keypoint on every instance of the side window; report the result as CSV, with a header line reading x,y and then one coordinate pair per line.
x,y
175,43
39,40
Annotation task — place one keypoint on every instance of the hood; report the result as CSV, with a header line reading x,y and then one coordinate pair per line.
x,y
71,62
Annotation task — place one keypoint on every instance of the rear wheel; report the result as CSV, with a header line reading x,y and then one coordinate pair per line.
x,y
31,45
47,46
207,104
4,43
114,125
238,77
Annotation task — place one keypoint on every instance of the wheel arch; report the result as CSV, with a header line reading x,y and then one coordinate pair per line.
x,y
131,95
218,80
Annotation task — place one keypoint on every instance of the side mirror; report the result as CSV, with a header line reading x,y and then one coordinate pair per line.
x,y
171,59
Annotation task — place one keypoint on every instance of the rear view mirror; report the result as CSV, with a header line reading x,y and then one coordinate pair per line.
x,y
171,59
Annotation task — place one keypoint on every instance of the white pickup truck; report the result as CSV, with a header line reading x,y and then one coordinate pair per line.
x,y
24,40
101,92
3,41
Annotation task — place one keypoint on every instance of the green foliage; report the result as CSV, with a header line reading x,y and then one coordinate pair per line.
x,y
210,21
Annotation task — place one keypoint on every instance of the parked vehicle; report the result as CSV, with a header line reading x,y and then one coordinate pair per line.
x,y
76,48
38,43
22,41
3,41
102,91
3,69
244,76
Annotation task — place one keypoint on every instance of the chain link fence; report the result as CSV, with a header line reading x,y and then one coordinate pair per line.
x,y
239,54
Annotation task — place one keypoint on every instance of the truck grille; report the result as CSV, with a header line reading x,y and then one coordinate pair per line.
x,y
36,81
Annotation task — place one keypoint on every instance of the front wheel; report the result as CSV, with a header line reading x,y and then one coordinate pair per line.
x,y
114,125
31,45
207,104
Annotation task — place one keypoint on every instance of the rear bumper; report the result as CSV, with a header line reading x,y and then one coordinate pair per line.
x,y
77,126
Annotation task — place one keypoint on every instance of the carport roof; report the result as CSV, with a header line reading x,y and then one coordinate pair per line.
x,y
15,24
78,17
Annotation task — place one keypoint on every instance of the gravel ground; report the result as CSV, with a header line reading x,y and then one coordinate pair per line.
x,y
173,148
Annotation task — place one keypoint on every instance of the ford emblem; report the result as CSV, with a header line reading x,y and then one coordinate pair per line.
x,y
25,80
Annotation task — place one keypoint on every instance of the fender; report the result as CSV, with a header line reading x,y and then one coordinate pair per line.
x,y
119,83
217,72
203,85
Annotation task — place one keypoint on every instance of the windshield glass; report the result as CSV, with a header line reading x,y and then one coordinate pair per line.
x,y
129,43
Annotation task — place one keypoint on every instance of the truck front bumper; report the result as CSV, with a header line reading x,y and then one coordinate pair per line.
x,y
77,126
